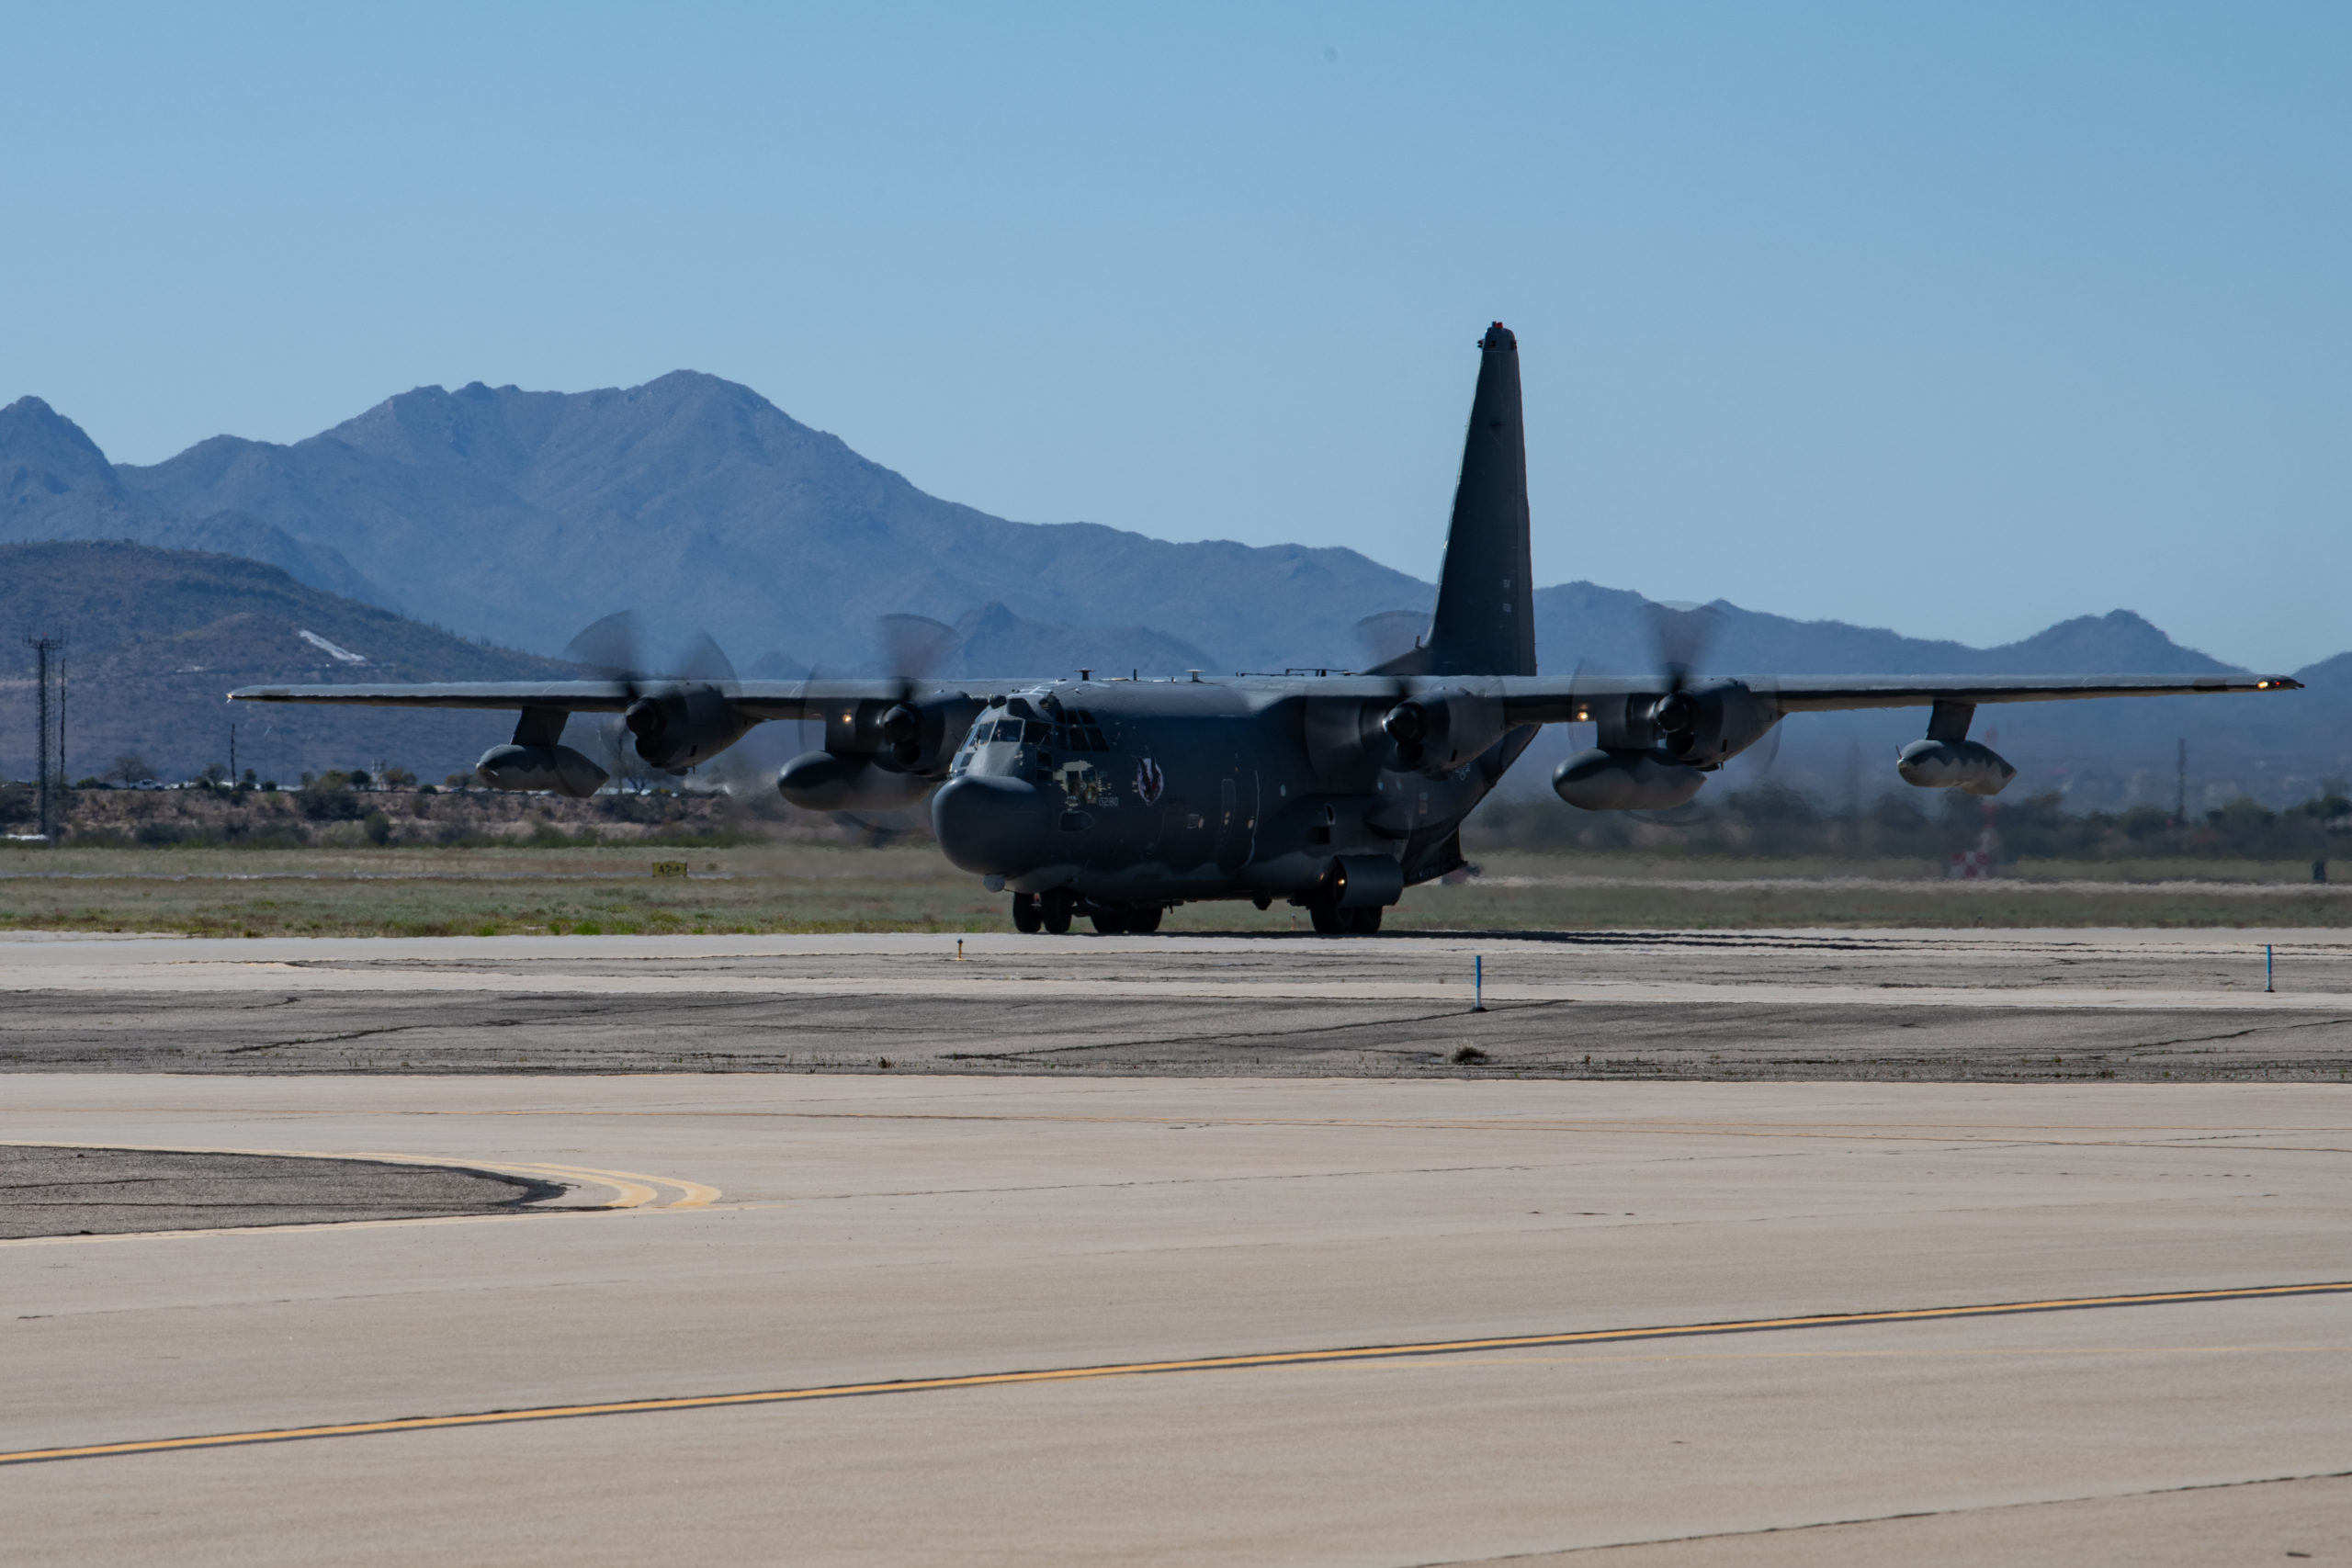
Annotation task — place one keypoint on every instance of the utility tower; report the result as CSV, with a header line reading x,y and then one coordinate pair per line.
x,y
42,648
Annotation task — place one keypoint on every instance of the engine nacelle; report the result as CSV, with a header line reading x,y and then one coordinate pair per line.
x,y
1624,780
1366,881
557,768
820,781
1436,731
678,727
1706,725
1954,764
920,736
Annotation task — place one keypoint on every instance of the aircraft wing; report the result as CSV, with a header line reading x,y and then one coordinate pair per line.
x,y
1819,692
1538,699
1527,699
756,699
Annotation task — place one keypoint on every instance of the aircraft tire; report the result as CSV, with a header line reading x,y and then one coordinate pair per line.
x,y
1331,921
1367,921
1025,918
1144,921
1054,907
1110,921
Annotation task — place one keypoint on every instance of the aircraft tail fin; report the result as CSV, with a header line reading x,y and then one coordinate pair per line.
x,y
1485,623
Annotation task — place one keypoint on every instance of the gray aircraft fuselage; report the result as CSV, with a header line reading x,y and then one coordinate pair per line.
x,y
1134,792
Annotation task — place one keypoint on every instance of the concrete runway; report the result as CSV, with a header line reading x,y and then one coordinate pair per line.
x,y
1964,1006
1135,1311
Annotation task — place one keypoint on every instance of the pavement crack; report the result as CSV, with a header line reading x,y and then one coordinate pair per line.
x,y
2267,1026
1980,1508
1273,1037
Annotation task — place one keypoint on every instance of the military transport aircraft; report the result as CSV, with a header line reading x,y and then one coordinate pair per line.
x,y
1121,798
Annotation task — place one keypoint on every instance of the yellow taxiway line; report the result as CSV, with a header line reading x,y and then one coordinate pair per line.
x,y
1143,1369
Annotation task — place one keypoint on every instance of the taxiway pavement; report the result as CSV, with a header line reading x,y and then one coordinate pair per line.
x,y
1119,1301
1772,1005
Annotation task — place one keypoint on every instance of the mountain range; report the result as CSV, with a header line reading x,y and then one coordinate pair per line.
x,y
522,516
516,517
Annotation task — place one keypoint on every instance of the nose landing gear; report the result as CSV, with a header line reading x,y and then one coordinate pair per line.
x,y
1053,910
1048,911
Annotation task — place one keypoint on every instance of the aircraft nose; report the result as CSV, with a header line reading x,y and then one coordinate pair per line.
x,y
993,825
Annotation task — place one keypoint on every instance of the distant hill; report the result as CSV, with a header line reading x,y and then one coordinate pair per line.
x,y
56,484
993,639
155,639
1608,629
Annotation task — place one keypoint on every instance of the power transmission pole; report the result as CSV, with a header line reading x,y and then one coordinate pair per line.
x,y
42,648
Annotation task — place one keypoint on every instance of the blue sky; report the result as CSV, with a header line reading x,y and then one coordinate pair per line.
x,y
1956,318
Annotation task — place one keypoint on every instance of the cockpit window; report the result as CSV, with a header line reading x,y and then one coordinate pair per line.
x,y
1078,732
1073,729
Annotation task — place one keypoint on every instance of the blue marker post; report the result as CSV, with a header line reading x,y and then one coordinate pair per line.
x,y
2269,968
1478,983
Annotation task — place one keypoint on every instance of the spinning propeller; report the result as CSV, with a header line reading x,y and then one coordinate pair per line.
x,y
912,647
659,706
1680,635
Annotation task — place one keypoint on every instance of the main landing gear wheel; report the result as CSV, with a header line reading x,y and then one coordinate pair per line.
x,y
1331,921
1119,921
1025,918
1054,908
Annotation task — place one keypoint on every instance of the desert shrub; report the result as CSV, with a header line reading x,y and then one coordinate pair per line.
x,y
329,798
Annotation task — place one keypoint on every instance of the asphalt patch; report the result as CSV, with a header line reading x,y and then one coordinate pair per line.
x,y
61,1191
